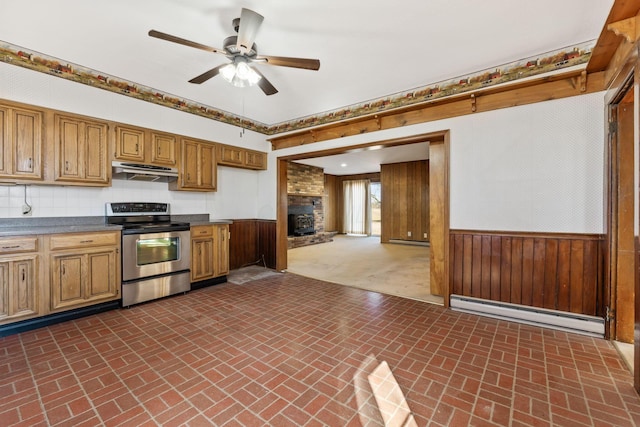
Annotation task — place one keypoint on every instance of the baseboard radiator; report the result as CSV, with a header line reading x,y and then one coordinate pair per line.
x,y
560,320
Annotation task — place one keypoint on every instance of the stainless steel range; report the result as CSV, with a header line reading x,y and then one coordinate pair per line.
x,y
155,251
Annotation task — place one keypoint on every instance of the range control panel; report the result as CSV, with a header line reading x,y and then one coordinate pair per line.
x,y
131,208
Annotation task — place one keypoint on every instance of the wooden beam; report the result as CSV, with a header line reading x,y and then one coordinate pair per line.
x,y
522,93
628,28
608,41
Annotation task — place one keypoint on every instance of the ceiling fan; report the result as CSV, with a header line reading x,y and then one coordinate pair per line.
x,y
242,51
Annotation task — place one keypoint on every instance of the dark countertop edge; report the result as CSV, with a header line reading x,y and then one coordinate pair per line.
x,y
56,229
213,221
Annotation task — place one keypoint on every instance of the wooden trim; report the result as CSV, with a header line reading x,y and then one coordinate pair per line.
x,y
546,270
581,236
608,41
636,343
281,215
395,142
439,280
510,95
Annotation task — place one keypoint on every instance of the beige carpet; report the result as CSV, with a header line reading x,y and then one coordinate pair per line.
x,y
364,262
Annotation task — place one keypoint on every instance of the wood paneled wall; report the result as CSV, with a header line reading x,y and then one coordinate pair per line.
x,y
250,240
405,201
332,203
559,272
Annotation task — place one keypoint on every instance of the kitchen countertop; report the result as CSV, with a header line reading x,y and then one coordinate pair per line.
x,y
55,225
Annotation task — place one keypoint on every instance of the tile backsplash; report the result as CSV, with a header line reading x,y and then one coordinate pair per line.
x,y
54,201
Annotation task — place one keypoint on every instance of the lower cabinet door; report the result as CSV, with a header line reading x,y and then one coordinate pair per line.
x,y
79,279
18,288
201,259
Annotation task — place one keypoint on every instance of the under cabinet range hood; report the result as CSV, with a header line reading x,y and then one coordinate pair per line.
x,y
140,172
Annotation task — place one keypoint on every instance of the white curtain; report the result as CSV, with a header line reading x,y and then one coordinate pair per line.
x,y
357,207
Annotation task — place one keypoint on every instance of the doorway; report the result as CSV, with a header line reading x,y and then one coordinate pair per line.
x,y
438,197
622,300
375,195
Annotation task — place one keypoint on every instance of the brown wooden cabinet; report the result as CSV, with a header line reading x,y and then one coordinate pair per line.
x,y
84,269
202,264
19,278
255,160
209,251
145,146
221,249
197,171
228,155
81,151
163,149
20,143
129,144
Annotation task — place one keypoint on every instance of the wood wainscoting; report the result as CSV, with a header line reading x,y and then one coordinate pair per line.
x,y
251,239
555,271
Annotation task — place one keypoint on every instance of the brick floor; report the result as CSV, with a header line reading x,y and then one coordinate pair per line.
x,y
284,350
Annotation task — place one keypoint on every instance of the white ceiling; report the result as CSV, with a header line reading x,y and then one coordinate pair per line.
x,y
367,49
367,160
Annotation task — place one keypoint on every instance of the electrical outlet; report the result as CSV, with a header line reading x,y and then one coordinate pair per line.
x,y
408,234
424,236
27,210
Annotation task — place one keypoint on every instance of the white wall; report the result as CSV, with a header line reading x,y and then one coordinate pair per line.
x,y
532,168
535,168
237,193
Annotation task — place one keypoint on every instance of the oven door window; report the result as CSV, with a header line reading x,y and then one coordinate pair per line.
x,y
158,249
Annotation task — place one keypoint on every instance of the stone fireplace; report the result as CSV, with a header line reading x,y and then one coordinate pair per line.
x,y
305,212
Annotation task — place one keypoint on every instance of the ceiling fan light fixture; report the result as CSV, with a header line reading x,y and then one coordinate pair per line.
x,y
240,74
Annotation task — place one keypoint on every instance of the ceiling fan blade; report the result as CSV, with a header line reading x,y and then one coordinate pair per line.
x,y
307,64
265,84
250,22
185,42
207,75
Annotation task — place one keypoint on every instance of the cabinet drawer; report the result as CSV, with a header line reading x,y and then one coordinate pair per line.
x,y
201,231
12,245
66,241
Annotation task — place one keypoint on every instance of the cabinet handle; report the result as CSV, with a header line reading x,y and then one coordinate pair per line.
x,y
188,176
158,151
63,270
23,274
30,163
11,247
136,146
86,241
66,165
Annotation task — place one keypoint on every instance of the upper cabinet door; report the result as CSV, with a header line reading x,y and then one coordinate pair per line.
x,y
27,136
5,142
207,167
129,144
81,150
20,143
198,167
96,153
190,164
69,148
163,149
231,156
